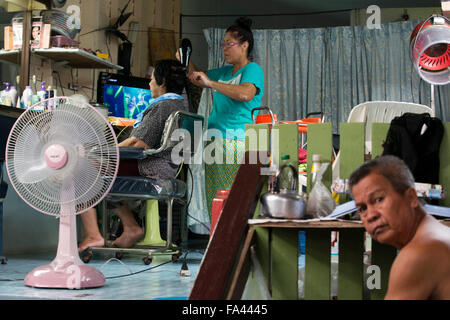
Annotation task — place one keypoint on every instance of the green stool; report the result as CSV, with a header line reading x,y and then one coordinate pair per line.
x,y
152,235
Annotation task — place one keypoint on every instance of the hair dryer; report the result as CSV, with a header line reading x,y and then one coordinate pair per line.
x,y
185,52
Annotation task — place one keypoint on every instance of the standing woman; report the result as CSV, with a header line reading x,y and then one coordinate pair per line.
x,y
238,88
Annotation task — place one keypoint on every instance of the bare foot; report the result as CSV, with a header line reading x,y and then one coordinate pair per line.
x,y
90,242
129,238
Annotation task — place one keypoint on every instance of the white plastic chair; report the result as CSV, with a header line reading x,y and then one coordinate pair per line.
x,y
378,111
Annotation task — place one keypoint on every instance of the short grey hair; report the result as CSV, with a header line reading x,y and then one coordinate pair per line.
x,y
392,168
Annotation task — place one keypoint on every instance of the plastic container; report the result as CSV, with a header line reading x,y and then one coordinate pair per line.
x,y
63,42
13,95
42,93
27,97
50,94
317,162
217,206
3,94
6,97
286,176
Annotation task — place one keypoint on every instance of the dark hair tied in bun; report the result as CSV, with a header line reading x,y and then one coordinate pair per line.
x,y
241,29
244,23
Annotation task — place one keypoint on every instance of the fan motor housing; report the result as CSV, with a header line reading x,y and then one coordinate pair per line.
x,y
56,156
430,50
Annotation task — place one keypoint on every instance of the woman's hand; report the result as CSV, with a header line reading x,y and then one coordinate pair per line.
x,y
200,79
133,142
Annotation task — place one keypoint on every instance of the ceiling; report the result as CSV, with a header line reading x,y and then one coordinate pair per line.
x,y
249,7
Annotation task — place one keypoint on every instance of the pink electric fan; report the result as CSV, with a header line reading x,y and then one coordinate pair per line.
x,y
61,163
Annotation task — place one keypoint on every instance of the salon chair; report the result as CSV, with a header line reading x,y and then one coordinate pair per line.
x,y
182,134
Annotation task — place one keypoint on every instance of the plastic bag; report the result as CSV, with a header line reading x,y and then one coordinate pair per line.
x,y
320,201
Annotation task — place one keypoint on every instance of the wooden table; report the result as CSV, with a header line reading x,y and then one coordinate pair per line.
x,y
283,258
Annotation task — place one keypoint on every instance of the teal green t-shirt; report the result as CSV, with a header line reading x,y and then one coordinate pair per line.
x,y
227,113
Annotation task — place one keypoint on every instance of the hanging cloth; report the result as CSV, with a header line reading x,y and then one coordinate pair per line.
x,y
416,139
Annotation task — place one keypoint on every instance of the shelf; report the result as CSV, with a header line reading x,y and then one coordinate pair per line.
x,y
21,5
75,58
10,112
10,56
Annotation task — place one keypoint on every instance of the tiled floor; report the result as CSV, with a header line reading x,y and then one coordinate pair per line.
x,y
159,280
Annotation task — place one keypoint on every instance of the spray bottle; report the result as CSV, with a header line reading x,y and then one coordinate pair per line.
x,y
13,95
42,93
2,94
6,97
27,97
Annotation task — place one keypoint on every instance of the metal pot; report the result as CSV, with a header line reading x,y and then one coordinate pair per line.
x,y
285,203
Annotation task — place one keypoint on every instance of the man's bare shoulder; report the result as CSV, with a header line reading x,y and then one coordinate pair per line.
x,y
431,241
426,258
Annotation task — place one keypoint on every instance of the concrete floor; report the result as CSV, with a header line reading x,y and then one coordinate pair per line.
x,y
127,279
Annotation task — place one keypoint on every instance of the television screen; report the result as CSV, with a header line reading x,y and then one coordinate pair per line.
x,y
124,96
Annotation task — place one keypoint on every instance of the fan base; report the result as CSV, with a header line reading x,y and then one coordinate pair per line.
x,y
72,276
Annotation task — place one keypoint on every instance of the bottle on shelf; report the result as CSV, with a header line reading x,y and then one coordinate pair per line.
x,y
13,95
317,162
2,94
286,177
50,94
6,97
27,97
42,93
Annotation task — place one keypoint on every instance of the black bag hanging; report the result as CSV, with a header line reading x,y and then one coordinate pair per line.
x,y
419,150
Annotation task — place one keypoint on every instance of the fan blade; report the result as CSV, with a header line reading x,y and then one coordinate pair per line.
x,y
34,174
65,124
29,165
88,181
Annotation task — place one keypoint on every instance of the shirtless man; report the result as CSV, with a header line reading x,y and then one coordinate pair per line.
x,y
383,190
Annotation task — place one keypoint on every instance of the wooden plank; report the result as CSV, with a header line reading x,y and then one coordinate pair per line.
x,y
351,148
317,264
242,270
350,274
26,51
284,243
257,140
379,132
311,224
284,264
382,256
319,142
444,157
216,270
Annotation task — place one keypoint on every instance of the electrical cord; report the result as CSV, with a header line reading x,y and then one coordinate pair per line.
x,y
109,278
189,202
137,272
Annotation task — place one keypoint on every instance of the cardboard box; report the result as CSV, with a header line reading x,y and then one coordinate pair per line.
x,y
36,29
17,27
8,37
45,36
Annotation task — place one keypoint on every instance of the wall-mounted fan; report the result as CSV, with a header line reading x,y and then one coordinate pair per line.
x,y
430,51
61,163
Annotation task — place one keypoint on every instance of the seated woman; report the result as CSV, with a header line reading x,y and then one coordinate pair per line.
x,y
167,84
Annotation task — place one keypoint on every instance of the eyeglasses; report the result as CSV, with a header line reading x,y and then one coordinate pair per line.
x,y
229,44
